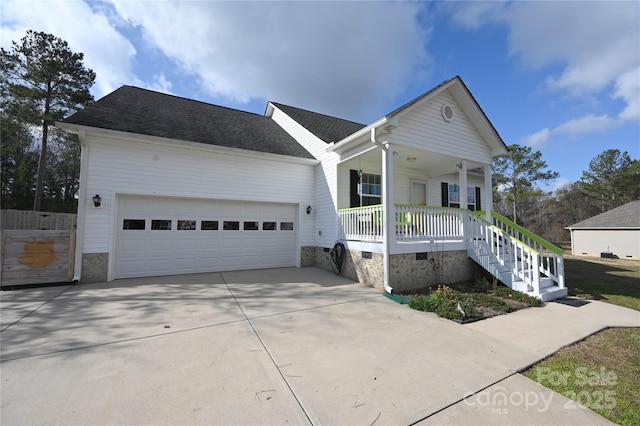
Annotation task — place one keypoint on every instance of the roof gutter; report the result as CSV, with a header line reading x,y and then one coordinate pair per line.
x,y
340,145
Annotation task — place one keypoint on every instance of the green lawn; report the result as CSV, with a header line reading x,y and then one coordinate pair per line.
x,y
603,371
615,281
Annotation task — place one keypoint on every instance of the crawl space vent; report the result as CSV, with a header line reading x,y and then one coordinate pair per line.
x,y
447,112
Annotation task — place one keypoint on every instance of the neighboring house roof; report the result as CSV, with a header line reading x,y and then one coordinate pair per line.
x,y
327,128
134,110
625,216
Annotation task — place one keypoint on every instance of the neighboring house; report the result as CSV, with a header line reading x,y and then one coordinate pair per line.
x,y
186,186
612,233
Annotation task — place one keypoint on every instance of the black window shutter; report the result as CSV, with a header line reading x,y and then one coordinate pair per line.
x,y
354,197
444,186
478,204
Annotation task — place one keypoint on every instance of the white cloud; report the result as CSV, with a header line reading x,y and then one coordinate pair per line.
x,y
538,138
587,124
159,83
473,15
596,45
559,183
345,59
628,88
573,128
106,51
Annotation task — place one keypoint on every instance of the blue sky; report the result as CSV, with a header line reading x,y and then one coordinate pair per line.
x,y
561,77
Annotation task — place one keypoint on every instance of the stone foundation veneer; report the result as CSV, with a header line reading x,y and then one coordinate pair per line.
x,y
307,256
406,273
94,267
439,267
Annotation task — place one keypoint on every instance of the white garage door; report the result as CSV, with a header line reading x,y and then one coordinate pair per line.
x,y
167,236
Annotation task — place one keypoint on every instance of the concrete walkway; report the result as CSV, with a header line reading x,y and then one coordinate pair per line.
x,y
292,345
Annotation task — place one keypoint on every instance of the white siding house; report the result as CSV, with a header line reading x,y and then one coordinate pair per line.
x,y
186,187
612,233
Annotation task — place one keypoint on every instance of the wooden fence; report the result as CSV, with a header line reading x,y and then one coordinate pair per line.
x,y
37,257
36,247
30,220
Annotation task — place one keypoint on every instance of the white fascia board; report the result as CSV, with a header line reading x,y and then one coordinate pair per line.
x,y
356,151
342,145
177,143
612,228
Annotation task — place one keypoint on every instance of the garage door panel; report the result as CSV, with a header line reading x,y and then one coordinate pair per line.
x,y
159,252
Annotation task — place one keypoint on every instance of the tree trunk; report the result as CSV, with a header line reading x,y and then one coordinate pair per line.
x,y
42,164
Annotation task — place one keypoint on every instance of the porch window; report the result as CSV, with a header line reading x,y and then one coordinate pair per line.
x,y
454,195
370,189
471,198
451,196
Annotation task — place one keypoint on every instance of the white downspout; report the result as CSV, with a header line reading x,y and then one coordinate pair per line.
x,y
387,200
82,207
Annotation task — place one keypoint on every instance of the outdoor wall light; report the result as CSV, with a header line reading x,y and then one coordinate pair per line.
x,y
97,200
309,209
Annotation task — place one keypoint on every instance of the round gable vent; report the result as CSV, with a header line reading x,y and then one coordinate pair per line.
x,y
447,112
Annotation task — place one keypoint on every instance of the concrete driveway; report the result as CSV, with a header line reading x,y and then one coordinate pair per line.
x,y
277,346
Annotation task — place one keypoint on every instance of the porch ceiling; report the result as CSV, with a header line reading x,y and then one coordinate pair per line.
x,y
432,164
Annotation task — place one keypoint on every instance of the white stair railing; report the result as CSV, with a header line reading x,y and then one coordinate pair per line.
x,y
495,250
550,260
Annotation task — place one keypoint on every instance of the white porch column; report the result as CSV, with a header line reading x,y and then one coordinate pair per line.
x,y
389,232
462,177
488,192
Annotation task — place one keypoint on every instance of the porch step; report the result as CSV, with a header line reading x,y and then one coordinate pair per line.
x,y
548,291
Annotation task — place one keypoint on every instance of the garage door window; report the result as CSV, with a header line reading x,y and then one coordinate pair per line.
x,y
286,226
160,225
186,225
269,226
133,224
251,226
230,225
209,225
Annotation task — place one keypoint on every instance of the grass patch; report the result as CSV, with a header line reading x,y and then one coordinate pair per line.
x,y
602,373
615,281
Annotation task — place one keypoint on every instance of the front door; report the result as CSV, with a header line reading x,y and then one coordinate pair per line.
x,y
418,192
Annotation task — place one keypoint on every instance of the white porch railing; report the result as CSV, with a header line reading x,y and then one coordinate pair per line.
x,y
517,257
412,223
428,223
362,223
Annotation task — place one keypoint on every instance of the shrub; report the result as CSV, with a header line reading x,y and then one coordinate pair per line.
x,y
508,293
444,302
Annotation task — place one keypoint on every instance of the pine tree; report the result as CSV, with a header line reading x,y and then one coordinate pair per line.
x,y
42,81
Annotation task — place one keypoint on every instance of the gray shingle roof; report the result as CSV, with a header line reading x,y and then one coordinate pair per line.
x,y
141,111
327,128
625,216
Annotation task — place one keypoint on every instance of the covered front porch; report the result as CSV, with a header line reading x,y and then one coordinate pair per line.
x,y
416,185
